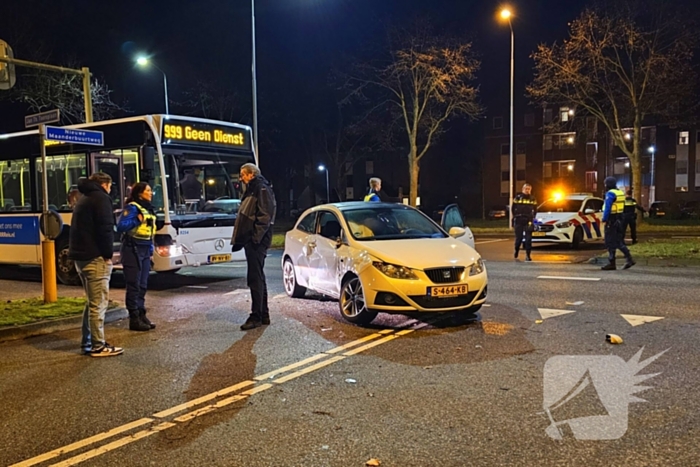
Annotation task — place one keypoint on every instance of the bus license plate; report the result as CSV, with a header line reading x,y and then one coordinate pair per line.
x,y
219,258
448,291
539,234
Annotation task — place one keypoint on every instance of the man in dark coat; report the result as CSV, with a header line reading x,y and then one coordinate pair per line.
x,y
91,246
253,232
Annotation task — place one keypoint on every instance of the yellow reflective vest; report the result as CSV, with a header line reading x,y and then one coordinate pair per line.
x,y
147,229
618,206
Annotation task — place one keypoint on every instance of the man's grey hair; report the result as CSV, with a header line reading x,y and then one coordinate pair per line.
x,y
374,182
526,185
251,168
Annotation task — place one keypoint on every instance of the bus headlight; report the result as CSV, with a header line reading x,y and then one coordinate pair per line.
x,y
169,250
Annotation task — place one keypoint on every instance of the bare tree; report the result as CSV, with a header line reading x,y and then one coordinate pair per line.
x,y
426,79
621,66
210,100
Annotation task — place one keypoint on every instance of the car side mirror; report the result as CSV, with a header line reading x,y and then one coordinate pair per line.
x,y
456,232
341,240
589,211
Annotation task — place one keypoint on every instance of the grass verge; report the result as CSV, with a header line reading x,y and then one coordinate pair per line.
x,y
31,310
667,249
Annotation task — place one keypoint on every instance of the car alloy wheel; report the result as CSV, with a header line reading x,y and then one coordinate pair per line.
x,y
352,303
290,280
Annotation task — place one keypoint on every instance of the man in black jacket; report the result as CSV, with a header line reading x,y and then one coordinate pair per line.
x,y
524,210
91,246
253,232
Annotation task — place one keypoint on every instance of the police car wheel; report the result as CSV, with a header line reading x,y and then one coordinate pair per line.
x,y
578,238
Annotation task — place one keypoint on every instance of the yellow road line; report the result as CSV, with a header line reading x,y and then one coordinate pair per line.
x,y
257,389
309,369
203,399
284,369
370,345
83,443
114,445
353,343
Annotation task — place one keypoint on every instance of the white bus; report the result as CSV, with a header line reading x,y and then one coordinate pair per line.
x,y
192,164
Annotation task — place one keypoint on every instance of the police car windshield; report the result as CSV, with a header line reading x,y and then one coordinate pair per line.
x,y
561,205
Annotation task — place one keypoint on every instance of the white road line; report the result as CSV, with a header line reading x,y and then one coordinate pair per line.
x,y
565,278
236,292
490,241
197,287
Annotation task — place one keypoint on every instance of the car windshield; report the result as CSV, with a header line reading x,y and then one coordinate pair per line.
x,y
390,223
560,205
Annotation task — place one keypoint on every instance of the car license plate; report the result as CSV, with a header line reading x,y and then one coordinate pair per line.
x,y
539,234
448,291
219,258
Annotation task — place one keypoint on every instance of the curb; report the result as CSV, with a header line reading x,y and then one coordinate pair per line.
x,y
41,328
656,262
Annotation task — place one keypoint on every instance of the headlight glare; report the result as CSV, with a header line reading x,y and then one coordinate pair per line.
x,y
477,268
394,271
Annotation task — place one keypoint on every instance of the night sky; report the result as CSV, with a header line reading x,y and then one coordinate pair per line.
x,y
298,42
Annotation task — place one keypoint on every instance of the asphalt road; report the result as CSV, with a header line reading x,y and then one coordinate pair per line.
x,y
427,390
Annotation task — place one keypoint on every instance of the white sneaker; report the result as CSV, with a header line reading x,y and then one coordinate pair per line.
x,y
107,351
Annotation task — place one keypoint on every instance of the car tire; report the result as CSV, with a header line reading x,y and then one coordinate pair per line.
x,y
353,307
578,238
289,279
65,267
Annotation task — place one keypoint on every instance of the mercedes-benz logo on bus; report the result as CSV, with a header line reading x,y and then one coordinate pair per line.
x,y
219,244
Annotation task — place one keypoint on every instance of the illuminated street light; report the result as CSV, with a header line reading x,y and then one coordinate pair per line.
x,y
145,61
506,15
652,187
322,168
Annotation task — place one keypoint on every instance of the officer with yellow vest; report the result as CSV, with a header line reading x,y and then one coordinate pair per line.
x,y
524,211
613,212
138,227
630,215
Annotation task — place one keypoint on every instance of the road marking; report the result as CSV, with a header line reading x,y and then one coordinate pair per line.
x,y
490,241
236,292
551,262
685,236
83,443
353,343
284,369
636,320
550,312
370,345
309,369
577,303
203,399
197,287
114,445
565,278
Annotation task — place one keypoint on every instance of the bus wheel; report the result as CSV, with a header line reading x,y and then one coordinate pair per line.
x,y
65,267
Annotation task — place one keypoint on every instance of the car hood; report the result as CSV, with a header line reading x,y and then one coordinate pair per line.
x,y
422,253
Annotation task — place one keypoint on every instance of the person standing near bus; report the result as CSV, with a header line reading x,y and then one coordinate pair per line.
x,y
91,246
253,232
138,227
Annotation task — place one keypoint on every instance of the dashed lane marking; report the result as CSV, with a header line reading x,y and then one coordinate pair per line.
x,y
565,278
236,292
490,241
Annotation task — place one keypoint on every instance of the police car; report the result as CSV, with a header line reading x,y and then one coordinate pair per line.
x,y
570,219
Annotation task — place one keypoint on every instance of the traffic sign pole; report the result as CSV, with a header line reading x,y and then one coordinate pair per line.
x,y
48,249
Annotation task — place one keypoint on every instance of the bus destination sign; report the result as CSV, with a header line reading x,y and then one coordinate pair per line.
x,y
205,135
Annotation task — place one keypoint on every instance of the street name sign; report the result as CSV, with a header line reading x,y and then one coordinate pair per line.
x,y
52,116
70,135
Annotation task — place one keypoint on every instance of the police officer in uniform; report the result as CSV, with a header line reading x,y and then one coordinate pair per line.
x,y
375,186
613,211
630,216
138,227
524,210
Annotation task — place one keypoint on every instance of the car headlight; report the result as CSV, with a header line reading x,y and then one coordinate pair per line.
x,y
563,225
477,268
394,271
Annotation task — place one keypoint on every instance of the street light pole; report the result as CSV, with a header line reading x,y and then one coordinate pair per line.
x,y
328,190
512,68
652,187
143,61
255,86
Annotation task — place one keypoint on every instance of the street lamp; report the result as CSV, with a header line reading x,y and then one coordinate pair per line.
x,y
652,187
506,15
255,85
145,61
322,168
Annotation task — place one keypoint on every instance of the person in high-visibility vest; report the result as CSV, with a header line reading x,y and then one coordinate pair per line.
x,y
138,227
630,215
524,211
375,186
613,210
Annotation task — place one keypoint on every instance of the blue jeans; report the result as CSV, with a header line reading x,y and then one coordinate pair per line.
x,y
136,260
94,275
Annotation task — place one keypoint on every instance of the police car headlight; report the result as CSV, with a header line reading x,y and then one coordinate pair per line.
x,y
477,268
394,271
563,225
